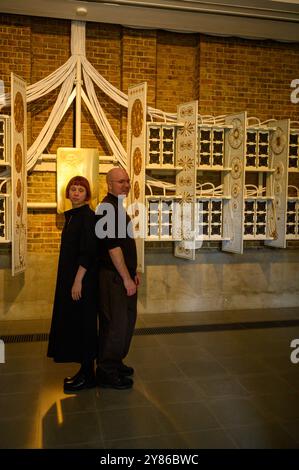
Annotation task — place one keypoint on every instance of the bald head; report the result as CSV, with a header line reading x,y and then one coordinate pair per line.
x,y
118,182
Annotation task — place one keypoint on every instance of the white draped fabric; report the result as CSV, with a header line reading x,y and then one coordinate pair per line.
x,y
66,76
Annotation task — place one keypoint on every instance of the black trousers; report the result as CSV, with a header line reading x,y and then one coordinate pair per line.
x,y
117,320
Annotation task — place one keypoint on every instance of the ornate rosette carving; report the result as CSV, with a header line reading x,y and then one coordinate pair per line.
x,y
19,112
188,111
137,118
187,129
236,134
186,198
136,190
235,205
278,141
18,158
278,171
186,162
235,190
137,161
185,180
187,145
19,188
19,209
277,189
236,167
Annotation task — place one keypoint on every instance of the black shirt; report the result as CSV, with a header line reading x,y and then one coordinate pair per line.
x,y
113,229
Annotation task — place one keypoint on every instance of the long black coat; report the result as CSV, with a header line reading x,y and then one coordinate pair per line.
x,y
73,334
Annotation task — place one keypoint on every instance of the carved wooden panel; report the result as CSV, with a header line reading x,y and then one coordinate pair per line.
x,y
19,174
136,149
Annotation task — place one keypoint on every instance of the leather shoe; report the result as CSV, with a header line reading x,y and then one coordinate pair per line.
x,y
125,370
117,382
81,382
71,379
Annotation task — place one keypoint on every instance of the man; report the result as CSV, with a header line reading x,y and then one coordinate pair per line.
x,y
118,283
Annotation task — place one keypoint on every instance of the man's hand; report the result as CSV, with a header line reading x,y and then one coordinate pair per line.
x,y
137,279
130,287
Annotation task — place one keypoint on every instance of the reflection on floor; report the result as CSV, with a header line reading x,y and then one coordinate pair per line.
x,y
203,389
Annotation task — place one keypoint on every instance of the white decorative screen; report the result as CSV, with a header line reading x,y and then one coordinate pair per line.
x,y
233,208
161,212
161,146
292,222
5,180
211,147
19,174
255,218
257,148
209,218
186,145
294,150
279,183
136,135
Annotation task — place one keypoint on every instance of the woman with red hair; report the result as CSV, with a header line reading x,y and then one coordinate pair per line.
x,y
73,334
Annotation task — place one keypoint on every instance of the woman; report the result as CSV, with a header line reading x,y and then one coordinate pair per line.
x,y
73,334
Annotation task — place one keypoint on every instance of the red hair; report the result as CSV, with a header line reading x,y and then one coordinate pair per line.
x,y
79,181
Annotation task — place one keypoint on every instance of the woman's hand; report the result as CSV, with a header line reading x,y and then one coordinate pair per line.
x,y
77,286
77,290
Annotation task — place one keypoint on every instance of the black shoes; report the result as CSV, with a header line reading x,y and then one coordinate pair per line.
x,y
80,382
85,379
71,379
119,383
113,380
125,370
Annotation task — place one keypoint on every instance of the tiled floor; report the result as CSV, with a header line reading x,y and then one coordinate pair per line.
x,y
226,388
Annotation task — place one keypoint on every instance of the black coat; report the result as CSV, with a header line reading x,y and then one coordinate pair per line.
x,y
73,334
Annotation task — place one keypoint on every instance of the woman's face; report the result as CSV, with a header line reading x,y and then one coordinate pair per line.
x,y
77,195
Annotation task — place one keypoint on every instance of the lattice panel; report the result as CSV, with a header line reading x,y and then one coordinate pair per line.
x,y
3,221
161,146
257,148
292,223
211,147
4,140
160,217
294,150
209,218
255,218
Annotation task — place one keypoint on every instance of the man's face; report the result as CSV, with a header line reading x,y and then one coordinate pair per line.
x,y
119,183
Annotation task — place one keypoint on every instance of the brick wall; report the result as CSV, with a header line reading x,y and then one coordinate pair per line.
x,y
238,74
224,74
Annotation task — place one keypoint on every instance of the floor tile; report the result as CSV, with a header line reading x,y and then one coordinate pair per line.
x,y
130,422
70,428
222,388
262,436
236,411
172,392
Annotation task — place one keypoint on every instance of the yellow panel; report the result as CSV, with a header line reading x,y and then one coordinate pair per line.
x,y
76,162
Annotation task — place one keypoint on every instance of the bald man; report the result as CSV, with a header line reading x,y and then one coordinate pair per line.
x,y
118,281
